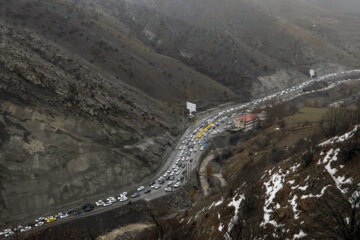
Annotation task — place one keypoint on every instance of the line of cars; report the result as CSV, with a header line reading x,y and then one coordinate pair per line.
x,y
186,149
46,220
110,200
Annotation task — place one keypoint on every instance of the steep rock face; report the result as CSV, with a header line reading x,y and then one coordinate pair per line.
x,y
66,137
85,108
111,47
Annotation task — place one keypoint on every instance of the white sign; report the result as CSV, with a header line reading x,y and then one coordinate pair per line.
x,y
191,107
312,73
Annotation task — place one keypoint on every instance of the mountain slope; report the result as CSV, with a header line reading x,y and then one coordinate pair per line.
x,y
238,41
106,44
85,108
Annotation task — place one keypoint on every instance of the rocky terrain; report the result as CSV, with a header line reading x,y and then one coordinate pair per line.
x,y
75,125
288,181
295,179
92,92
250,38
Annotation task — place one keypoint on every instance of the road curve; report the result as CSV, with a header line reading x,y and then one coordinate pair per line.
x,y
207,118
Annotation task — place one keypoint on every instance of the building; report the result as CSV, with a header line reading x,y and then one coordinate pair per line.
x,y
246,122
263,116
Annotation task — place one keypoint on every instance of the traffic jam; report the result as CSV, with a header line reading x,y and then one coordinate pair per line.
x,y
189,151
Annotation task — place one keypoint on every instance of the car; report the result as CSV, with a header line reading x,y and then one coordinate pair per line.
x,y
70,211
147,190
168,189
88,207
50,220
47,218
140,188
99,203
7,231
40,219
135,195
111,199
107,204
177,184
9,234
18,228
25,229
78,212
157,186
122,198
38,224
124,193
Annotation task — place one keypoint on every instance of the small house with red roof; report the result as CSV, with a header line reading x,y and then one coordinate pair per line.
x,y
246,122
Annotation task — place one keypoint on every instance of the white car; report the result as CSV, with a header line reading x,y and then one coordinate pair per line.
x,y
18,228
38,224
168,189
9,234
64,215
122,198
140,188
40,219
111,199
25,229
107,204
177,184
99,203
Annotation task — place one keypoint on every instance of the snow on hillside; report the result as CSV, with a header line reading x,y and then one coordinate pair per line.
x,y
288,196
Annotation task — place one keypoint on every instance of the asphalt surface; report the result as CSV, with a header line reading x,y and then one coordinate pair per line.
x,y
282,96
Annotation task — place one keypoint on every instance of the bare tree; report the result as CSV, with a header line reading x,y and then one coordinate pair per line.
x,y
334,121
311,146
339,216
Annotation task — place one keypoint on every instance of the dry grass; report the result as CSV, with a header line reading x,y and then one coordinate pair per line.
x,y
308,114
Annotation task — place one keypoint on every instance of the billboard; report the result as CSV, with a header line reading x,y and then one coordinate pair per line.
x,y
312,73
191,107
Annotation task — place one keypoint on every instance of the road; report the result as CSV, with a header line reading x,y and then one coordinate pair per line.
x,y
213,117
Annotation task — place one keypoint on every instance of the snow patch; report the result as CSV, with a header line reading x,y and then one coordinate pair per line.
x,y
219,202
274,185
339,181
293,168
201,211
236,204
301,234
294,206
316,196
221,227
341,138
